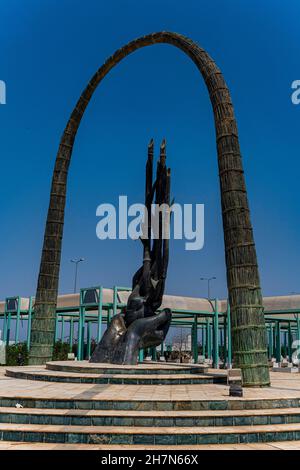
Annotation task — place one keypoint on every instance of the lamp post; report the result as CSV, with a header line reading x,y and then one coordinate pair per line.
x,y
208,279
76,262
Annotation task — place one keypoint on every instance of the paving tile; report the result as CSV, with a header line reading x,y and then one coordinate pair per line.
x,y
203,413
9,445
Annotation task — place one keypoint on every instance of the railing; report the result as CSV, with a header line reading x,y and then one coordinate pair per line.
x,y
215,326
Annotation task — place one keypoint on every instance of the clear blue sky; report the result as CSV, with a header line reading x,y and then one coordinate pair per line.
x,y
49,51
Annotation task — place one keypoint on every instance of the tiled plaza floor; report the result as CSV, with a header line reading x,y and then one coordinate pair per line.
x,y
294,445
283,385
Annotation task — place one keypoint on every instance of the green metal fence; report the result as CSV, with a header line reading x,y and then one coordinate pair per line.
x,y
215,326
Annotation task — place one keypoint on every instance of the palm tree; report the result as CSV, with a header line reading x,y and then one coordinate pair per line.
x,y
248,326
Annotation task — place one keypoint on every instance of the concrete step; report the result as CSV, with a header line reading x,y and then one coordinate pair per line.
x,y
149,435
11,445
69,417
98,399
139,379
86,367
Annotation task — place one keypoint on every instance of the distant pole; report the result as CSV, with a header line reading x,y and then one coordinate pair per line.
x,y
76,262
208,279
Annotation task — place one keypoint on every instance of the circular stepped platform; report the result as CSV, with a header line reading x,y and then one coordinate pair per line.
x,y
142,374
154,416
86,367
139,379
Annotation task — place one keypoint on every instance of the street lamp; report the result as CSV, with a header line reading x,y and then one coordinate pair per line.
x,y
76,261
208,279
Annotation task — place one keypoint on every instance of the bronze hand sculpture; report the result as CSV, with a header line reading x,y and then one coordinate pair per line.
x,y
139,326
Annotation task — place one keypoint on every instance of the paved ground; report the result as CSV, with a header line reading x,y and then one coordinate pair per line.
x,y
284,385
293,445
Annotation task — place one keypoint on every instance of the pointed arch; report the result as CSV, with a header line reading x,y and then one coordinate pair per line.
x,y
248,326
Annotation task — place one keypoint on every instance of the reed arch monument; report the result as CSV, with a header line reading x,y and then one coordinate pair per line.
x,y
248,326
